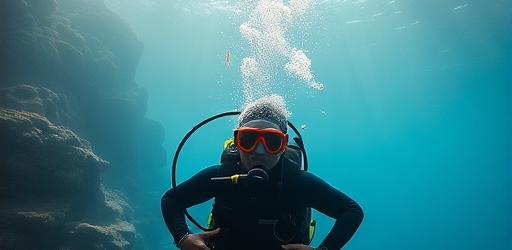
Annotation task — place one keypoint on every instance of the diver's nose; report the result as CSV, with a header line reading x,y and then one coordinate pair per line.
x,y
259,148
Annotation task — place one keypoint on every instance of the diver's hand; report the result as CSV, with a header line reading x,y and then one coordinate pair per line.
x,y
297,247
197,241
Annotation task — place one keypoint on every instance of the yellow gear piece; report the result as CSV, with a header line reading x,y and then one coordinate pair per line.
x,y
312,229
229,142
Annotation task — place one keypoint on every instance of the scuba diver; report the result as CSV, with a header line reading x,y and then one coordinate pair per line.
x,y
262,195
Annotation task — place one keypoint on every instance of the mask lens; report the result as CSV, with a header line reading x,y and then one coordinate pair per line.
x,y
247,139
273,141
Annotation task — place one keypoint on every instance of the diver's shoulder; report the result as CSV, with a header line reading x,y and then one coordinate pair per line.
x,y
308,177
210,170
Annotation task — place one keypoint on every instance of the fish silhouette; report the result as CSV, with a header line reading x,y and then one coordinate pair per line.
x,y
228,59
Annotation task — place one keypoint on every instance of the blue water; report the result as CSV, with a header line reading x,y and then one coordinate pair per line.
x,y
414,120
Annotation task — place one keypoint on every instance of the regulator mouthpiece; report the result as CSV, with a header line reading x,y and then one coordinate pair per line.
x,y
257,176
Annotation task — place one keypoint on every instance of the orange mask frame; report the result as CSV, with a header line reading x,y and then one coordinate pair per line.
x,y
274,141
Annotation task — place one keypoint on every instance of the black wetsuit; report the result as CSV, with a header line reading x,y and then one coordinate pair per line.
x,y
264,203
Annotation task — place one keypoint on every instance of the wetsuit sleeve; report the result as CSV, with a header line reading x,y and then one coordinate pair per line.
x,y
328,200
198,189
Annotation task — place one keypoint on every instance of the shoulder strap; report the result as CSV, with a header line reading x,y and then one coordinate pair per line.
x,y
294,156
299,216
230,153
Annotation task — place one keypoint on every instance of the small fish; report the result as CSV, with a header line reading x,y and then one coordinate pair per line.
x,y
228,59
303,127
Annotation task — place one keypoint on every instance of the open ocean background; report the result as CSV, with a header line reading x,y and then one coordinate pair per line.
x,y
414,121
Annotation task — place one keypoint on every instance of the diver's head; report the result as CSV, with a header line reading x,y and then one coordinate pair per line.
x,y
261,134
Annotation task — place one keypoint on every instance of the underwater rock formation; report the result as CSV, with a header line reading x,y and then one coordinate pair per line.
x,y
51,192
79,43
67,72
41,101
87,54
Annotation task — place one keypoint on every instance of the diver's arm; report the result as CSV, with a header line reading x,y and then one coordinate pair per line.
x,y
344,228
335,204
193,191
174,218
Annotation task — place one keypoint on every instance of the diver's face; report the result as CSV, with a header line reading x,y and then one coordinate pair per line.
x,y
259,156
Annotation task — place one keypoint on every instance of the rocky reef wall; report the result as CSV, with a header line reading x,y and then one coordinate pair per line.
x,y
75,144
